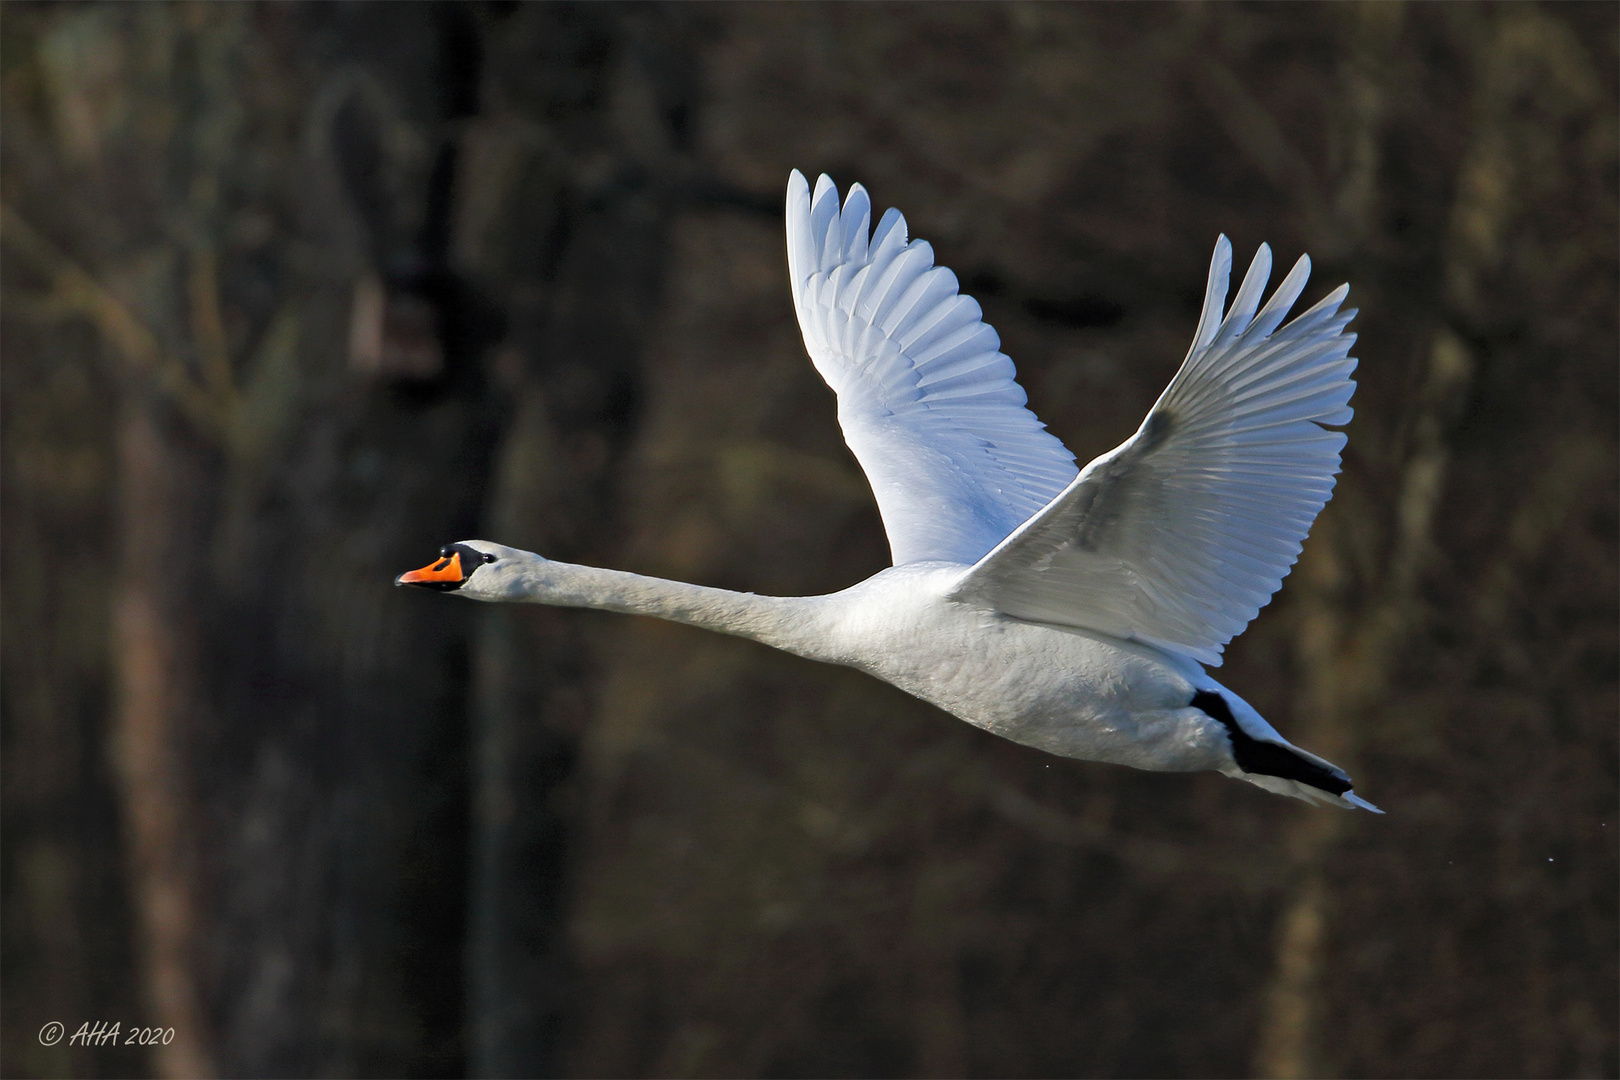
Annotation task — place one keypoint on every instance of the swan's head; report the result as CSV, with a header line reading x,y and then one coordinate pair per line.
x,y
476,569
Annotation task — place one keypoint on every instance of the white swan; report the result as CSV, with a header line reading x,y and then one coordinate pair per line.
x,y
1069,611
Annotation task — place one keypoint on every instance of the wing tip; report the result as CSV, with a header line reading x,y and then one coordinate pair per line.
x,y
1215,290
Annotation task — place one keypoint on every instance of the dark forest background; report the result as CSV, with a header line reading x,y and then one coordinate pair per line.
x,y
295,293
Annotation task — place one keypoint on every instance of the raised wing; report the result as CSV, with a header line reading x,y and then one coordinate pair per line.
x,y
1178,536
927,402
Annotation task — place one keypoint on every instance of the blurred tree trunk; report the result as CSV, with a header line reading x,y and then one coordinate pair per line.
x,y
158,711
586,151
292,773
1351,650
316,276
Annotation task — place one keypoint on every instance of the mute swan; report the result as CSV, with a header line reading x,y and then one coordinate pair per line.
x,y
1068,610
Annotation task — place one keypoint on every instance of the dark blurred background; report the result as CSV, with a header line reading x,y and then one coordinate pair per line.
x,y
295,293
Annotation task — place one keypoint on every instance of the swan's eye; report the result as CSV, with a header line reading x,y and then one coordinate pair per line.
x,y
489,556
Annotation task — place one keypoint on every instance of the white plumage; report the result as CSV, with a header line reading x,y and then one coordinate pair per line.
x,y
925,397
1067,610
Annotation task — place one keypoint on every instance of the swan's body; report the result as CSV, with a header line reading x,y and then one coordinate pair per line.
x,y
1067,610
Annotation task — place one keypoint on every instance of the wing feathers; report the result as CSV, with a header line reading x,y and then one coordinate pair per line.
x,y
1248,297
1220,273
857,218
1175,538
928,291
1276,309
949,316
927,401
823,223
1179,535
889,236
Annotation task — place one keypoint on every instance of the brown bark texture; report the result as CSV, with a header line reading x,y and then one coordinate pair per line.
x,y
292,294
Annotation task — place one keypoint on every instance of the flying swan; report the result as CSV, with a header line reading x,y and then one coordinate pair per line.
x,y
1069,611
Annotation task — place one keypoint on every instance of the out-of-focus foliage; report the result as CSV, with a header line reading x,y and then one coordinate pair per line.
x,y
294,294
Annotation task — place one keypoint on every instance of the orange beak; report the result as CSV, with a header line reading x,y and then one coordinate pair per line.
x,y
447,571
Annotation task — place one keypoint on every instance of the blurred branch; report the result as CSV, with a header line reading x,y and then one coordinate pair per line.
x,y
1578,463
1349,661
81,294
208,325
1257,875
75,292
1256,133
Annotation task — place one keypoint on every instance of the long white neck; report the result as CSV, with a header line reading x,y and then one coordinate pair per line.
x,y
796,624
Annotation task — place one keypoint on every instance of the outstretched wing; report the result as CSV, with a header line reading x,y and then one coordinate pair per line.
x,y
1181,534
926,399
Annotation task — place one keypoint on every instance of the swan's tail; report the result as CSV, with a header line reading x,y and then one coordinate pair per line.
x,y
1346,799
1266,759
